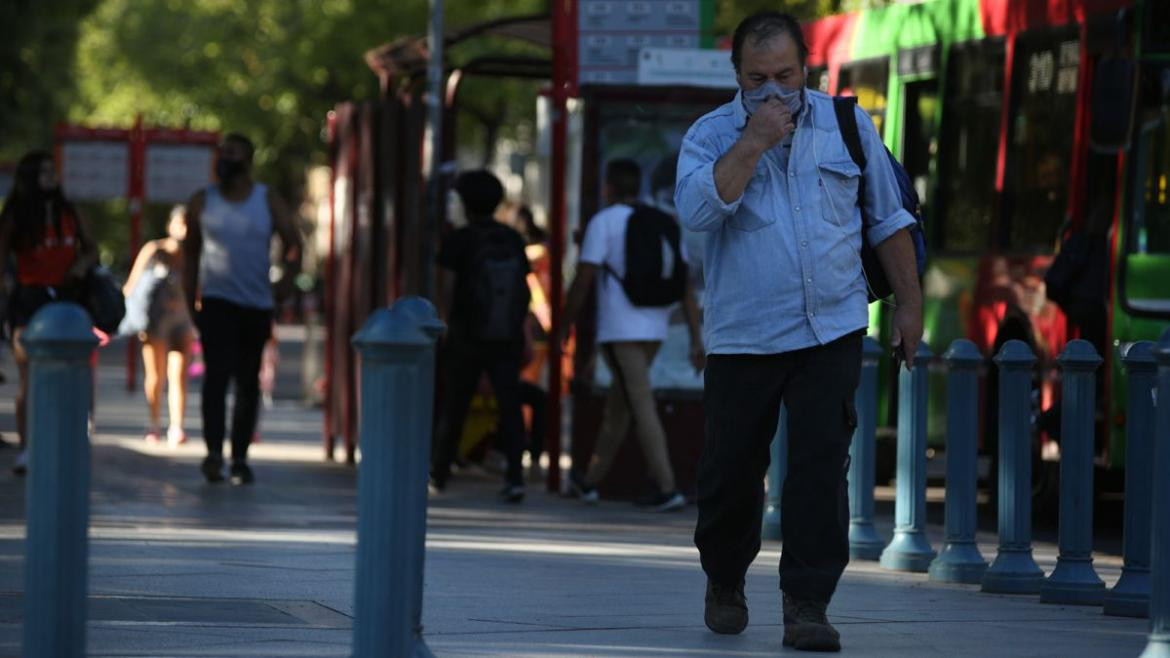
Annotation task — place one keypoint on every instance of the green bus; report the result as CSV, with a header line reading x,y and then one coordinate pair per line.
x,y
1023,123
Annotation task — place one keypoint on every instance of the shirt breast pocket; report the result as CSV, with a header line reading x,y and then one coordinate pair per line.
x,y
755,212
839,182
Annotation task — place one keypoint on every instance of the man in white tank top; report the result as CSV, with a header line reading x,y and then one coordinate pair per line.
x,y
229,234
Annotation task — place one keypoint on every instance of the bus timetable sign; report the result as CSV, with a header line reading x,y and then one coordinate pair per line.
x,y
611,34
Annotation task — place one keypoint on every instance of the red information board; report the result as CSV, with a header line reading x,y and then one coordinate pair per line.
x,y
156,164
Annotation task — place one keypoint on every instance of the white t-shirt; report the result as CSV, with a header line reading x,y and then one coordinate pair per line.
x,y
618,319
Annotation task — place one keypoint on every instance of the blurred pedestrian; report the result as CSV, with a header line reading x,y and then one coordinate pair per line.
x,y
229,231
537,327
48,238
485,302
769,177
630,331
155,284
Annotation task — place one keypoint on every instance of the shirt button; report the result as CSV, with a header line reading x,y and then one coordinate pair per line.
x,y
798,209
792,174
812,315
804,243
809,280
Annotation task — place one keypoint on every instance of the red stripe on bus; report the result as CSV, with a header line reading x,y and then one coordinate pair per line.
x,y
1005,114
830,42
1002,17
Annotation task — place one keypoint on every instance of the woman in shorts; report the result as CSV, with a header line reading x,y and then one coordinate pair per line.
x,y
169,333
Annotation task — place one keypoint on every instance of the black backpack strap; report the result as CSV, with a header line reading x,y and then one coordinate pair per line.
x,y
847,123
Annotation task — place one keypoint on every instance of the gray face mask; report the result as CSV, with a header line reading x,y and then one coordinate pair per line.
x,y
792,98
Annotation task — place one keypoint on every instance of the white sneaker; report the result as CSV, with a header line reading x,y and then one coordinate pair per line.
x,y
20,466
663,502
176,436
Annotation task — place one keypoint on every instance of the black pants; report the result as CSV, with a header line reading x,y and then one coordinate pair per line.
x,y
464,362
233,338
741,398
534,397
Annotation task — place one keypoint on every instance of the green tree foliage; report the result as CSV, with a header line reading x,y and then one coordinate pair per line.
x,y
38,39
271,69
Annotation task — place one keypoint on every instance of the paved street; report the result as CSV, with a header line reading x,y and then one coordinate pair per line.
x,y
182,568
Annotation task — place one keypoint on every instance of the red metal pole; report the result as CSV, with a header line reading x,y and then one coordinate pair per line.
x,y
564,79
136,195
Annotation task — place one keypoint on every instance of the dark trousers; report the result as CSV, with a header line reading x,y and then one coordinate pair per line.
x,y
534,397
741,399
464,363
233,338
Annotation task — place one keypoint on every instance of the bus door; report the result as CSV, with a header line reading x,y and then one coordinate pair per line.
x,y
1144,270
1141,274
920,99
918,67
919,141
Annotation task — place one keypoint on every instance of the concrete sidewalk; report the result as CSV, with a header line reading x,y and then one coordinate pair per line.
x,y
182,568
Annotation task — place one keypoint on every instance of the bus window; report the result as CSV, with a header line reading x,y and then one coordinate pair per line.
x,y
1147,258
969,140
1044,89
867,81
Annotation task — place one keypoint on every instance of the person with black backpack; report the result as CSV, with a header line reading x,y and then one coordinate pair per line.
x,y
789,210
485,304
637,253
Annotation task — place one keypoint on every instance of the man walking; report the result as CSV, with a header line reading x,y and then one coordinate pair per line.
x,y
485,302
628,337
229,233
771,180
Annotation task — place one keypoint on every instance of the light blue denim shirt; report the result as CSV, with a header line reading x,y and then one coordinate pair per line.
x,y
782,263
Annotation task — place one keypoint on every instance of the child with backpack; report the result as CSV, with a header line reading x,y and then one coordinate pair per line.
x,y
485,302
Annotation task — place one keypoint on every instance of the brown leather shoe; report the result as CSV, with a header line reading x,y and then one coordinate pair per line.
x,y
806,628
726,612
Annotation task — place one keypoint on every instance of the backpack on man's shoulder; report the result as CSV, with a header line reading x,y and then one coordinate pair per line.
x,y
656,274
497,288
875,276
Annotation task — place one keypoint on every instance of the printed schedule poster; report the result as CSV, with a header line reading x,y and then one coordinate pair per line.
x,y
611,34
95,170
174,172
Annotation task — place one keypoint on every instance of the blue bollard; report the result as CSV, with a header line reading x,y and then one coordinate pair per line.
x,y
1014,571
777,470
58,340
1159,644
422,312
960,560
397,348
864,543
1074,581
1130,597
909,550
